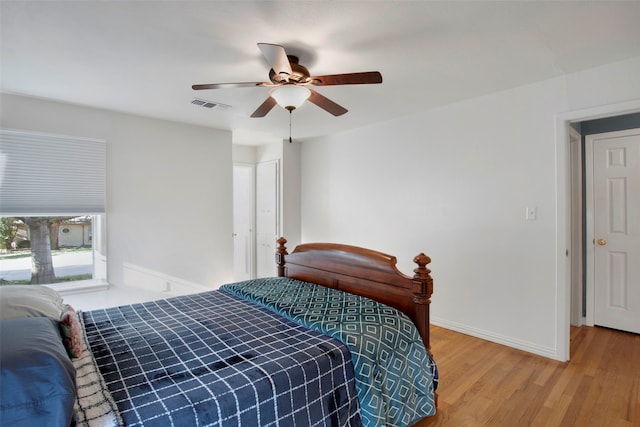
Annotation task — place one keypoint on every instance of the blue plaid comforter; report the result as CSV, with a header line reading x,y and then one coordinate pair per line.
x,y
215,359
394,374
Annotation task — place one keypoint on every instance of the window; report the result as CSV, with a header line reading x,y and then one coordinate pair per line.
x,y
52,205
68,257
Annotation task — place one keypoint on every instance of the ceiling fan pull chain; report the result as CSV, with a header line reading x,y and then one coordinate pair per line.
x,y
290,111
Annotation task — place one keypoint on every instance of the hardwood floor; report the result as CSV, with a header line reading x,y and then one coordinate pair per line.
x,y
487,384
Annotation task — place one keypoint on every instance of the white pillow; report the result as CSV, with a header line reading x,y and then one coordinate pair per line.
x,y
30,301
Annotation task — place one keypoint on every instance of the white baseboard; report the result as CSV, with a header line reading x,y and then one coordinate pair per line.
x,y
80,287
497,338
151,280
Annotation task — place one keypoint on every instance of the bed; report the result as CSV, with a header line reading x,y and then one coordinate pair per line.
x,y
274,351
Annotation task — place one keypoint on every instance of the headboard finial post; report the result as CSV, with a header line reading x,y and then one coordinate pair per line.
x,y
422,273
422,291
281,251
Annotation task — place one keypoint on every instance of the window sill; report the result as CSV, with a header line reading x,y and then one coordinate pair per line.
x,y
80,287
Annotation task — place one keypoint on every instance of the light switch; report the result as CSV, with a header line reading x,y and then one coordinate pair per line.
x,y
531,213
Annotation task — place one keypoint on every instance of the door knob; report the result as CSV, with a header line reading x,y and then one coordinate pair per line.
x,y
602,242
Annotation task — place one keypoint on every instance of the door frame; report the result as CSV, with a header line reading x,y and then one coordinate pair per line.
x,y
590,255
576,250
563,212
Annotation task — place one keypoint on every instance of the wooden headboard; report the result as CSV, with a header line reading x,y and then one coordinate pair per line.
x,y
362,272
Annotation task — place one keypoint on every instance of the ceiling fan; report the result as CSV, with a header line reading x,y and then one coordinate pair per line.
x,y
289,82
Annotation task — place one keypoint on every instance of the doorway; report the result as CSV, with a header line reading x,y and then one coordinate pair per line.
x,y
243,221
582,259
255,219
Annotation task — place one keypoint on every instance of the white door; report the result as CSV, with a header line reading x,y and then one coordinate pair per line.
x,y
242,221
266,218
616,229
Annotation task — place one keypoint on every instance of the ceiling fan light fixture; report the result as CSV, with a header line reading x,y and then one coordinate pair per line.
x,y
290,96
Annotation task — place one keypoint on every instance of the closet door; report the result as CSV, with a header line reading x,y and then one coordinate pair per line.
x,y
267,179
614,221
243,184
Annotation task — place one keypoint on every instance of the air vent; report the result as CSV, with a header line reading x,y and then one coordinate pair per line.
x,y
209,104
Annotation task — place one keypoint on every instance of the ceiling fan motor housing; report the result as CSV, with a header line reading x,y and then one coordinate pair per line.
x,y
299,74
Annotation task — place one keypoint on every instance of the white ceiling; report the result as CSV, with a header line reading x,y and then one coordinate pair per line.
x,y
142,57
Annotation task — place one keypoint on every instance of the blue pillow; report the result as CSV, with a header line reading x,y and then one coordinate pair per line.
x,y
38,378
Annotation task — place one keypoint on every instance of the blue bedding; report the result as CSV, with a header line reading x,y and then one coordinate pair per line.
x,y
37,385
215,359
393,372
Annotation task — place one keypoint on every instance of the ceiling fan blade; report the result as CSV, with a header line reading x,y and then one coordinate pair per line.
x,y
326,104
264,108
369,77
277,59
229,85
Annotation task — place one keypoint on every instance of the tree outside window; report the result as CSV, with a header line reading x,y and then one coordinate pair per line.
x,y
39,238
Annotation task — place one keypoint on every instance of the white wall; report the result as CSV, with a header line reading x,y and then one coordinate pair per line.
x,y
454,183
169,191
244,154
290,184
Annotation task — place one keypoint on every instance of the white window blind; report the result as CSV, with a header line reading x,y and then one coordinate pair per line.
x,y
49,175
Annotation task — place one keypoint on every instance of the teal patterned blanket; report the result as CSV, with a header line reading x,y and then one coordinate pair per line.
x,y
393,371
